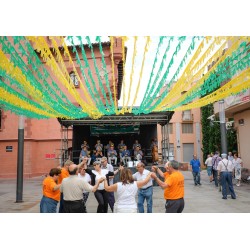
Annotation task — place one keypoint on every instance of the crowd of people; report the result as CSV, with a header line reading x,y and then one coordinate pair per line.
x,y
121,153
71,184
221,169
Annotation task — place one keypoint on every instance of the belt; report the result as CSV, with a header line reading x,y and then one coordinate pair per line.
x,y
74,201
174,199
146,188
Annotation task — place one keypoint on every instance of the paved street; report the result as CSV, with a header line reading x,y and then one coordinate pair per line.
x,y
198,199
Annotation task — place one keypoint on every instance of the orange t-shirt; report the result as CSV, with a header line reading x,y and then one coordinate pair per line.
x,y
64,174
48,185
175,189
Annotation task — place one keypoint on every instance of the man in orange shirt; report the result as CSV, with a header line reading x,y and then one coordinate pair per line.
x,y
173,186
64,174
51,192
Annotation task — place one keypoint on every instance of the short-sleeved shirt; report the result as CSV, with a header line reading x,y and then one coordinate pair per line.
x,y
73,187
225,165
64,174
110,168
175,189
195,165
237,163
86,177
140,177
209,161
48,186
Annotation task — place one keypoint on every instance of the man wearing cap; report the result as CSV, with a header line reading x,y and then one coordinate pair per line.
x,y
225,169
173,186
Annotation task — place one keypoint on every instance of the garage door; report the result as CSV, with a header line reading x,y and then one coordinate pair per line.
x,y
188,151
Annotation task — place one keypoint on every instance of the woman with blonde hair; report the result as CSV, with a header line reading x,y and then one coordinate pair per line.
x,y
126,191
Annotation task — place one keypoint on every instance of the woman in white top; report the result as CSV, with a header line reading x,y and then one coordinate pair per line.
x,y
101,195
237,164
82,174
126,191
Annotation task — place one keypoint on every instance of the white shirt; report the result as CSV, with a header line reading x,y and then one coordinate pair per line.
x,y
86,177
99,176
237,163
225,164
110,168
209,161
139,177
126,195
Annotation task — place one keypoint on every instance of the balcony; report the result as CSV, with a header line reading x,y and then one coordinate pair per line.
x,y
187,116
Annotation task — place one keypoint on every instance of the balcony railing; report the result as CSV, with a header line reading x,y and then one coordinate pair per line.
x,y
187,117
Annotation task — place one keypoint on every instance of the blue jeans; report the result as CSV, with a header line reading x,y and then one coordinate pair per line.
x,y
48,205
197,177
226,178
145,194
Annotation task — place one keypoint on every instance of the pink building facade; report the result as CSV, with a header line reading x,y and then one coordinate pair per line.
x,y
43,139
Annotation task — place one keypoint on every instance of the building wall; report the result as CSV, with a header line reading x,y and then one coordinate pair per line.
x,y
178,138
43,138
243,136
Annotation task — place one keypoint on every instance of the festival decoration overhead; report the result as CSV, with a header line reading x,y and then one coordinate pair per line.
x,y
74,77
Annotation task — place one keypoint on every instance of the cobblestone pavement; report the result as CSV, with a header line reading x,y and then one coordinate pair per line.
x,y
198,199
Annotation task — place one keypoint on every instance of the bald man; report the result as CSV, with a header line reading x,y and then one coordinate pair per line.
x,y
73,188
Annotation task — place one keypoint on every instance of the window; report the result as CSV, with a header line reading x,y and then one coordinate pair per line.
x,y
170,128
187,115
74,79
187,128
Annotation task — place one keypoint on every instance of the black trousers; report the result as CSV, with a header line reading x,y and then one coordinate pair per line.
x,y
102,198
174,206
74,206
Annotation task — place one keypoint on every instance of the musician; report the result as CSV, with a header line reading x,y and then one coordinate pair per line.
x,y
120,148
85,144
154,151
138,153
98,146
84,152
112,155
125,155
136,144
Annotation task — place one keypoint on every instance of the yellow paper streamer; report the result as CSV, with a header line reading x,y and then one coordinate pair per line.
x,y
132,70
183,82
235,86
49,59
113,70
235,43
141,71
14,100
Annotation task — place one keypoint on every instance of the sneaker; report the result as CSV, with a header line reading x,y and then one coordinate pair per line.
x,y
199,184
195,184
224,198
237,184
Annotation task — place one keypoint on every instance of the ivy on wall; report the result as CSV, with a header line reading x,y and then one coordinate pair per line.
x,y
211,133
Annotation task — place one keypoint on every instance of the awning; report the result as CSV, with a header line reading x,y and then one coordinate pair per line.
x,y
161,118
